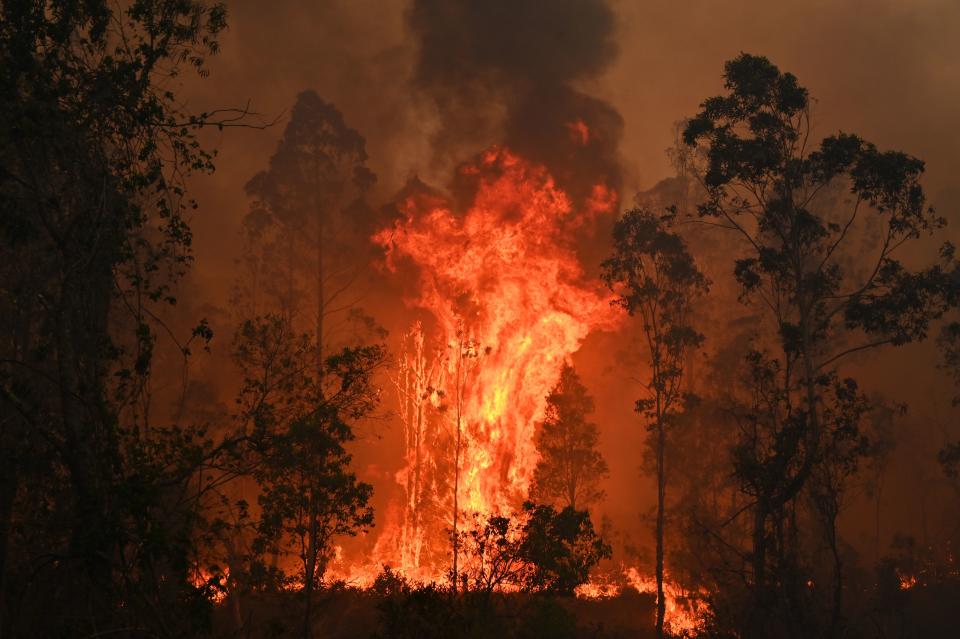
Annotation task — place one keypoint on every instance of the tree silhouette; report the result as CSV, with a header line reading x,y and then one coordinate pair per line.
x,y
297,433
658,281
821,227
95,149
570,469
540,549
307,207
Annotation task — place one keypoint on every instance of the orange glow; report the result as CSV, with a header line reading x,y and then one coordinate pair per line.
x,y
907,581
502,281
685,613
204,579
579,131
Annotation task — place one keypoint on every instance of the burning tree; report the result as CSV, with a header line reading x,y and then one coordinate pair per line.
x,y
465,357
475,271
570,468
420,392
658,280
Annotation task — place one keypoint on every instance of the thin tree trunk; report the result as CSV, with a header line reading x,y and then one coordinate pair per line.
x,y
417,481
321,302
876,523
759,560
456,464
661,506
8,493
310,569
835,616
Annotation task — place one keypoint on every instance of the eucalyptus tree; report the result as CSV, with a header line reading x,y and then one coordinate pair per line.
x,y
823,227
657,280
307,206
95,149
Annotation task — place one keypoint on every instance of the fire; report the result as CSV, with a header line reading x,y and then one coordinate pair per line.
x,y
685,612
684,615
907,581
212,582
579,131
509,304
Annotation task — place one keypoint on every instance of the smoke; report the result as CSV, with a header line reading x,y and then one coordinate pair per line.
x,y
508,72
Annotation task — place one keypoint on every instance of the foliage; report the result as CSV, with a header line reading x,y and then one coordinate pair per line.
x,y
657,279
541,550
561,547
570,468
820,228
415,611
295,423
306,213
308,494
97,522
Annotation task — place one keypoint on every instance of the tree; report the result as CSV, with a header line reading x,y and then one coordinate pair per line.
x,y
466,356
307,207
570,468
297,445
310,496
820,228
561,547
95,148
301,239
540,550
657,280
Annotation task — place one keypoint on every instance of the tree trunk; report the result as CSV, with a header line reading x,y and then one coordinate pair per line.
x,y
661,506
876,522
321,302
8,494
759,561
309,573
835,616
456,466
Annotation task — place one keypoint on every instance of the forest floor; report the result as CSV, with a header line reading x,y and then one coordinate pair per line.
x,y
350,613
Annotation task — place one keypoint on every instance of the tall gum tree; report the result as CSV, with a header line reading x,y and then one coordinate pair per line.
x,y
307,209
95,149
658,281
823,226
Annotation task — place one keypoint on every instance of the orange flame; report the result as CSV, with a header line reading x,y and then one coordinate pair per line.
x,y
503,284
579,131
503,281
685,612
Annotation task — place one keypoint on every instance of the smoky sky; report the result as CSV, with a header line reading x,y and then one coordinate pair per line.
x,y
506,72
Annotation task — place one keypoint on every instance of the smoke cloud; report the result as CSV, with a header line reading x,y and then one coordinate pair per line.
x,y
507,72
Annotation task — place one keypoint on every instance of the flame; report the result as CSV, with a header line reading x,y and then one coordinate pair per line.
x,y
685,612
510,305
579,131
212,582
907,581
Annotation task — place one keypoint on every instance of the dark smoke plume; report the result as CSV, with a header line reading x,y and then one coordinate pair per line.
x,y
507,71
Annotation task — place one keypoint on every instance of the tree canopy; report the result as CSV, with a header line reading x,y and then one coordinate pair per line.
x,y
571,468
